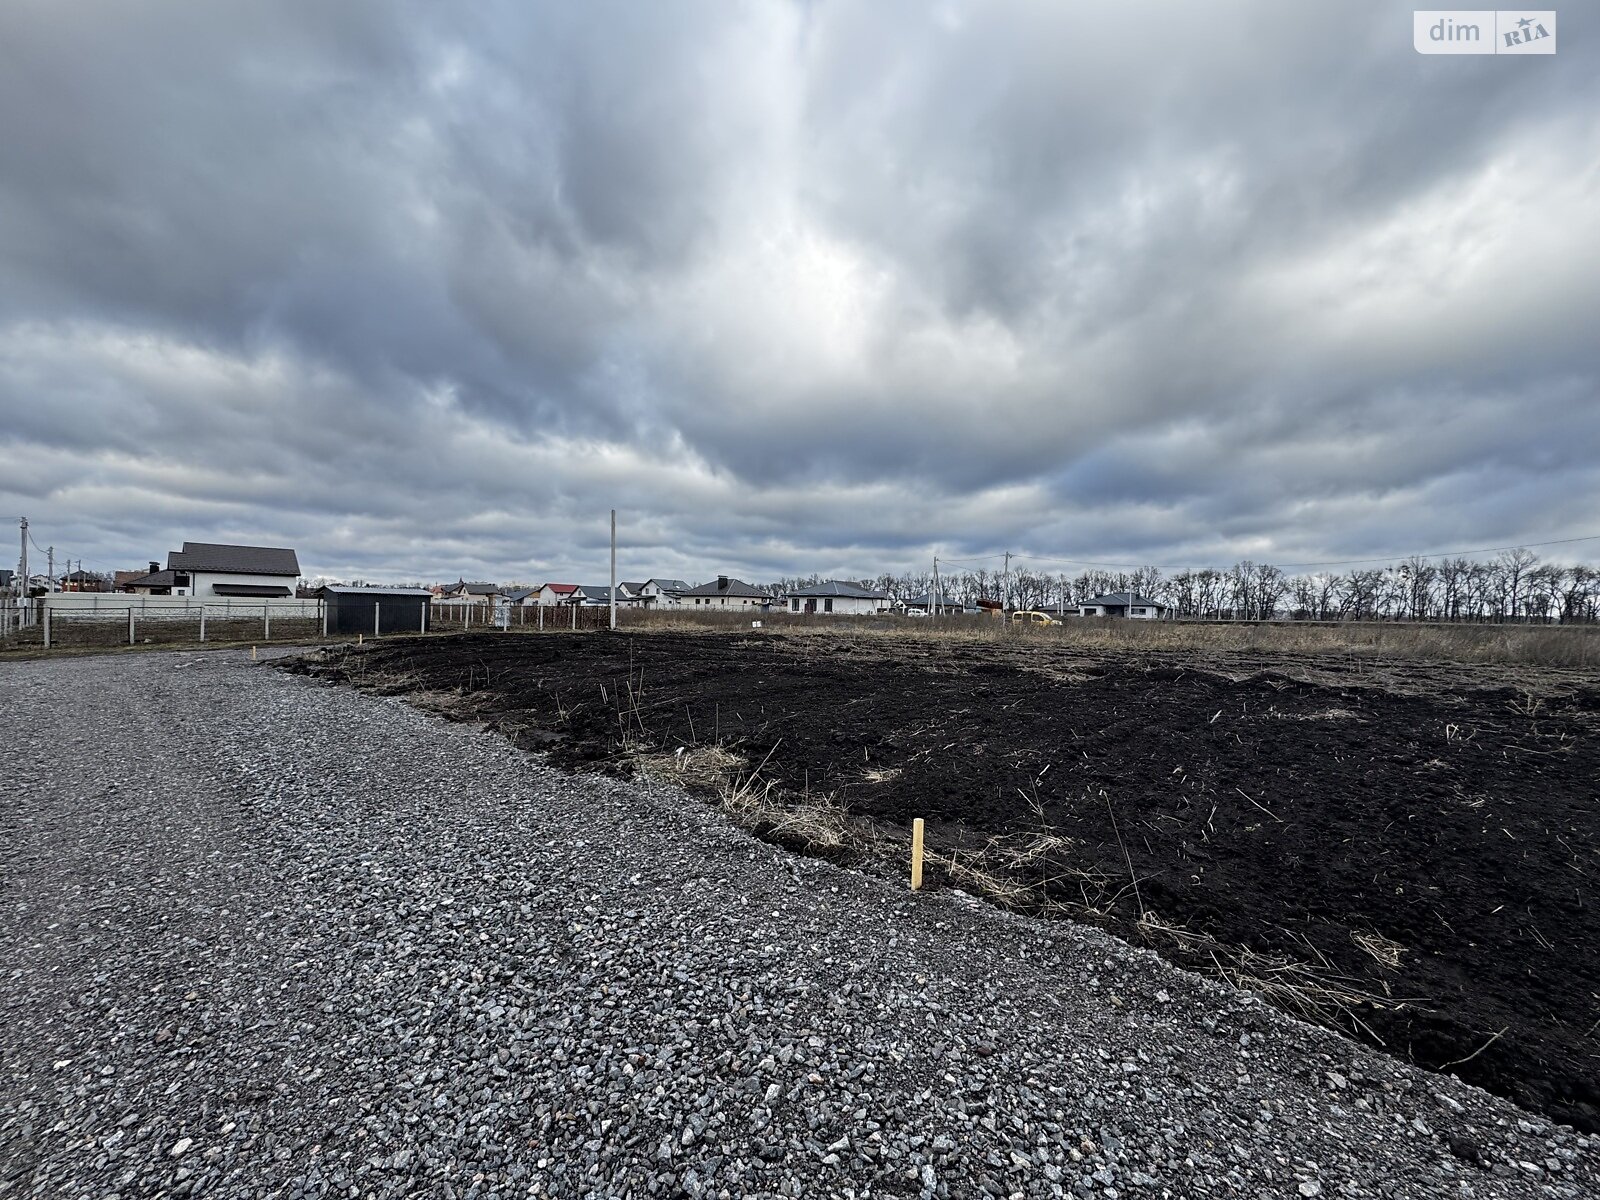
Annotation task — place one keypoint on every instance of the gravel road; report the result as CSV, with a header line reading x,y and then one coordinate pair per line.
x,y
265,937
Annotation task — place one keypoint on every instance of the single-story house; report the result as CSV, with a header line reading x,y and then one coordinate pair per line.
x,y
462,593
838,596
214,569
549,594
592,595
948,606
724,594
1122,604
522,597
661,593
157,581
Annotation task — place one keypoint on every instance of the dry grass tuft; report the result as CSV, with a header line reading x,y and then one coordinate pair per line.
x,y
1386,951
815,825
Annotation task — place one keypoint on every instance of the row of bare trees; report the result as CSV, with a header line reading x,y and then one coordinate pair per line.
x,y
1513,586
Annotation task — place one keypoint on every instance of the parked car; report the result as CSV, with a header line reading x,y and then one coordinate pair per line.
x,y
1029,616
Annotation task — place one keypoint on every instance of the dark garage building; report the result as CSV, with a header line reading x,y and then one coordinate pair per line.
x,y
374,610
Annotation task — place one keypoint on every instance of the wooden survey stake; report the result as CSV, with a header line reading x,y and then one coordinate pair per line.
x,y
916,855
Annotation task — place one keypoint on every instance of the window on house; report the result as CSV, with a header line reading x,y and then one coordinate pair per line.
x,y
827,606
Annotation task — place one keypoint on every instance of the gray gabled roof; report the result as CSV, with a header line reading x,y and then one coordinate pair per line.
x,y
946,600
598,591
519,594
726,586
631,588
1125,599
234,560
341,589
668,585
838,587
155,579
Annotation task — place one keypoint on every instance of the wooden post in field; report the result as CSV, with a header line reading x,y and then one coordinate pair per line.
x,y
916,855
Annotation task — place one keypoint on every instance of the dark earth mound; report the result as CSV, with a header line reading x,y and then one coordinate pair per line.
x,y
1428,846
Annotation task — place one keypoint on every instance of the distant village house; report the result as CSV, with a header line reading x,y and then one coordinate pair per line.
x,y
838,596
725,594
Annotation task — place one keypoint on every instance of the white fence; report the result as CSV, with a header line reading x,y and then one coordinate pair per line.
x,y
183,608
91,619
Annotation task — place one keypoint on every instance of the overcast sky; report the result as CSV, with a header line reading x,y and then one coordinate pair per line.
x,y
422,290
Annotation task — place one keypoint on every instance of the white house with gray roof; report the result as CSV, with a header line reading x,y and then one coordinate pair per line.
x,y
1123,604
216,569
839,597
661,593
724,594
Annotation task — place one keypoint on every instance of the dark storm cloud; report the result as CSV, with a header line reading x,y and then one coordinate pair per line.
x,y
424,290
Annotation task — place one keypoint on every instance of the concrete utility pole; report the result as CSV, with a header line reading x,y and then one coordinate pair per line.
x,y
1005,588
933,600
50,564
613,568
22,574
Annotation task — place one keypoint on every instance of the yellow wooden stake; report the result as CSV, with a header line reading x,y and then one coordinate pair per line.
x,y
916,854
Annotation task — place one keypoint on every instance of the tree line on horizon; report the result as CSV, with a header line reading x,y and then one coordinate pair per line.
x,y
1513,586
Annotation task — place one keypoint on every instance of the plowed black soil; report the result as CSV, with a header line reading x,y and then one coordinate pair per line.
x,y
1426,842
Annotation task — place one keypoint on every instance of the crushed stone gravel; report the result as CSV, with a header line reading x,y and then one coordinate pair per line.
x,y
262,937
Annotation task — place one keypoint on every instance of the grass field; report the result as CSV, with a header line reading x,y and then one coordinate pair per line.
x,y
1544,645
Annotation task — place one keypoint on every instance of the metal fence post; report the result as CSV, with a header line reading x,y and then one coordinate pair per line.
x,y
130,625
377,628
323,604
423,628
202,623
47,627
574,616
266,622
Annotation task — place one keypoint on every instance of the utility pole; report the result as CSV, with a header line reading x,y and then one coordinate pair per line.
x,y
1005,588
50,565
613,568
22,580
933,608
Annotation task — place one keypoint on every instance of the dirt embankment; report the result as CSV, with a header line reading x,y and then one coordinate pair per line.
x,y
1404,851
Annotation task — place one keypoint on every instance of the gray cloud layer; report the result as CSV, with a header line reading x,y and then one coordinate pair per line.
x,y
423,290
